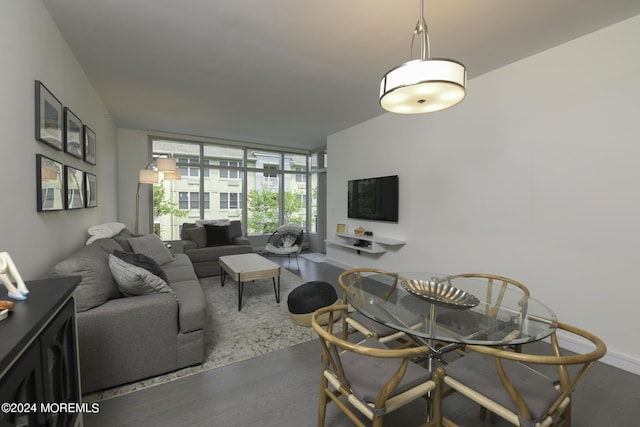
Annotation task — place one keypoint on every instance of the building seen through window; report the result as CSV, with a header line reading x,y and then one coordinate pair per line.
x,y
263,189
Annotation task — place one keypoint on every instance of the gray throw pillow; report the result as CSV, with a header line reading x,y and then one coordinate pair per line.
x,y
97,285
197,235
151,246
133,280
142,261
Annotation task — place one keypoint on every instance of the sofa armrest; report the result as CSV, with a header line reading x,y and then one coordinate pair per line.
x,y
176,246
184,246
241,241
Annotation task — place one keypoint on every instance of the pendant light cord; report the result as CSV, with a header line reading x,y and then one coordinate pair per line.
x,y
421,28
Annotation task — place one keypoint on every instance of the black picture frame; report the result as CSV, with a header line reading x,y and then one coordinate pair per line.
x,y
89,145
73,188
73,132
90,190
49,120
50,184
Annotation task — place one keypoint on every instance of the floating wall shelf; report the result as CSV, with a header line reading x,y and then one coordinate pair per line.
x,y
377,244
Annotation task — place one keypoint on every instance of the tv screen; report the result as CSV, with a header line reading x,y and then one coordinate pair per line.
x,y
374,198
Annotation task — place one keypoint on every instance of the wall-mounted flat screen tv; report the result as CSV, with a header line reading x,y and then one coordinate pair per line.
x,y
374,198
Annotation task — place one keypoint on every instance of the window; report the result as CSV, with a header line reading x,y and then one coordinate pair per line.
x,y
230,201
192,171
191,200
230,173
225,180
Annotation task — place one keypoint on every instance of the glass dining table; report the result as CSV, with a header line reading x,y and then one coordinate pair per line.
x,y
446,312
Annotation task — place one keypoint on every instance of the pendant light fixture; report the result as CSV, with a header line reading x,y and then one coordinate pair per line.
x,y
423,85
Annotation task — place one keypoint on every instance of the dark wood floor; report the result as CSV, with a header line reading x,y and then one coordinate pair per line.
x,y
281,389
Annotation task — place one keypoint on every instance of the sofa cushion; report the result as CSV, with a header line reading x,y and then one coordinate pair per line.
x,y
97,285
142,261
107,245
133,280
151,246
197,235
123,239
212,253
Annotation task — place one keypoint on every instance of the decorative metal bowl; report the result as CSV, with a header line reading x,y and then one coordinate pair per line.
x,y
440,293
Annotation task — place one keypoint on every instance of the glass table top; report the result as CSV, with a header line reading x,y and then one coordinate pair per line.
x,y
452,309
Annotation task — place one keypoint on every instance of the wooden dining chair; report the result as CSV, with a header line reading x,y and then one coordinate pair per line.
x,y
353,284
494,294
369,376
514,386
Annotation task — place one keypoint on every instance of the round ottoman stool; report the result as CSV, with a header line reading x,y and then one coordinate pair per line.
x,y
307,298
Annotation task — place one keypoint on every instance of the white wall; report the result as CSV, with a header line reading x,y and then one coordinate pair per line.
x,y
33,49
535,176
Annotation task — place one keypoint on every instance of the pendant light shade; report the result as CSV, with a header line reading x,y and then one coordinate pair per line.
x,y
423,85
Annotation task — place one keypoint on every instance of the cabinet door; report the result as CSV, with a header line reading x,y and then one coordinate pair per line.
x,y
22,387
59,364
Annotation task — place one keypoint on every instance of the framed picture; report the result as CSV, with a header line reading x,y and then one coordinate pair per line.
x,y
50,186
89,145
72,134
48,117
341,228
90,190
73,188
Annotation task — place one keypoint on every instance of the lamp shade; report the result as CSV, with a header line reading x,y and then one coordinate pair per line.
x,y
172,175
423,86
166,165
147,176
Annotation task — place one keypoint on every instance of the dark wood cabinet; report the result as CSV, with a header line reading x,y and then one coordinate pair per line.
x,y
39,382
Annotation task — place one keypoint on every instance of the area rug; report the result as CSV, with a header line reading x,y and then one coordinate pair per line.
x,y
260,327
314,256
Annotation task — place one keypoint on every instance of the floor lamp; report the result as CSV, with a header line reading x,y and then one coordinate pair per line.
x,y
165,166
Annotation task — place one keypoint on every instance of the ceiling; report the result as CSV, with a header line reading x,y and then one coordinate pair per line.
x,y
291,72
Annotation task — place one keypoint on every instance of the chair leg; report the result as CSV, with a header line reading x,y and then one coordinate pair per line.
x,y
297,261
322,404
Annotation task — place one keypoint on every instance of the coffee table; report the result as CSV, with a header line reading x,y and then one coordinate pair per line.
x,y
244,267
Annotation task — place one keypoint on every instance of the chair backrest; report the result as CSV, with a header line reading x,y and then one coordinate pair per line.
x,y
567,379
494,301
352,282
334,348
287,235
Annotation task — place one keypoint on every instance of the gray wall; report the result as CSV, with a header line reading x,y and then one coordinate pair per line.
x,y
534,176
33,49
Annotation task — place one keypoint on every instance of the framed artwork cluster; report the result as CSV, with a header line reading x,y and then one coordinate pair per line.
x,y
63,186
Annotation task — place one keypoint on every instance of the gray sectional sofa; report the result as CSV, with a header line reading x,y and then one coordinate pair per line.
x,y
204,251
153,330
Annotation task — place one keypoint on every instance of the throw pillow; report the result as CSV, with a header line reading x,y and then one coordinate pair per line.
x,y
201,222
133,280
217,235
123,237
197,235
151,246
97,285
142,261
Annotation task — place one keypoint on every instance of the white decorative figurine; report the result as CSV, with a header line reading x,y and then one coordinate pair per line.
x,y
7,270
